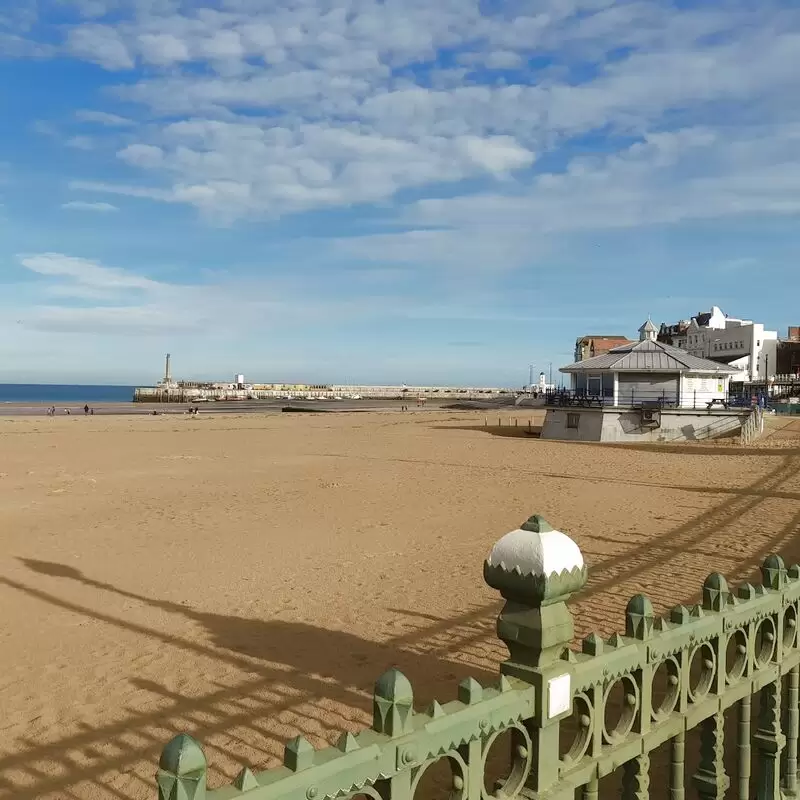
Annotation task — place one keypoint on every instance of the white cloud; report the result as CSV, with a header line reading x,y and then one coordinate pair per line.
x,y
101,44
85,272
80,142
163,49
142,155
250,110
103,118
670,177
80,205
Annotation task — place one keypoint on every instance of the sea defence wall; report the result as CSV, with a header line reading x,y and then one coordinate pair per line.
x,y
191,393
608,424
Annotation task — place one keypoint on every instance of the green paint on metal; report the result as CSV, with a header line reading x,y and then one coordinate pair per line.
x,y
536,524
182,770
713,658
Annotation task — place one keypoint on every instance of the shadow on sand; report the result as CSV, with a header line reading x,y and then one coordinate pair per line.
x,y
325,667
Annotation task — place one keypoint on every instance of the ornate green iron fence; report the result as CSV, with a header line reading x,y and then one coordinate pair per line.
x,y
706,658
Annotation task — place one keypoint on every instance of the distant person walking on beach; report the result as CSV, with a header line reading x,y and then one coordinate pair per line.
x,y
86,410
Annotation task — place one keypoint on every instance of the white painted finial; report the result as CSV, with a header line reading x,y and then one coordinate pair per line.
x,y
536,549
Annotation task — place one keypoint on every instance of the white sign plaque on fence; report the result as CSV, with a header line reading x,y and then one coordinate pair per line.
x,y
559,695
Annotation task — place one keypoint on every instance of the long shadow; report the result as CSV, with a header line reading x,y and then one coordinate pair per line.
x,y
655,551
327,667
344,657
710,449
652,551
509,431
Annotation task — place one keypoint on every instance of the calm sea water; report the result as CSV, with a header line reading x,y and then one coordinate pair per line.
x,y
60,395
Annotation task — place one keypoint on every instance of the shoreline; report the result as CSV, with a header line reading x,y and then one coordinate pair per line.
x,y
15,410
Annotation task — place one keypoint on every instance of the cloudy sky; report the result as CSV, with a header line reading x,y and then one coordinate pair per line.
x,y
386,190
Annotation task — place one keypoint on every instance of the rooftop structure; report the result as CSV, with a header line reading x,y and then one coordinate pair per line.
x,y
591,346
648,355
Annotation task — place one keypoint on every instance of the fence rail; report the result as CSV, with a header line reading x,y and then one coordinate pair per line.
x,y
712,658
634,398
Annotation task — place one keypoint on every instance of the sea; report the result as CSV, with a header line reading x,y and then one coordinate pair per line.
x,y
63,394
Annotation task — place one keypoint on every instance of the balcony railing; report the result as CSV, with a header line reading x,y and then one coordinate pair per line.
x,y
643,398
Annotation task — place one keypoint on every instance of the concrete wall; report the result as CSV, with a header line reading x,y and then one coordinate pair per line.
x,y
621,425
590,425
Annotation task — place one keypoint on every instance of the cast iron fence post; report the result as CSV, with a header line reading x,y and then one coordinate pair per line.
x,y
537,627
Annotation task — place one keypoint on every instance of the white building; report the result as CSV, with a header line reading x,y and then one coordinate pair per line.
x,y
649,371
643,391
741,343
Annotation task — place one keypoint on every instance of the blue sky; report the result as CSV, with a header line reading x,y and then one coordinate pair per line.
x,y
397,191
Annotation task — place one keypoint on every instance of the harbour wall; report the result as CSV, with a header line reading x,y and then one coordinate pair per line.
x,y
191,394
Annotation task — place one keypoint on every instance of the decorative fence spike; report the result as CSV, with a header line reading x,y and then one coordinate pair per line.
x,y
347,743
593,645
793,572
182,773
680,615
639,616
392,704
773,572
245,780
716,594
298,754
504,684
615,640
470,691
435,710
746,591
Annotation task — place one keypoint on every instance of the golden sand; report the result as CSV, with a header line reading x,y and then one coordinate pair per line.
x,y
247,578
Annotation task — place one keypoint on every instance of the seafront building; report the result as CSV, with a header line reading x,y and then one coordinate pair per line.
x,y
644,391
594,345
787,361
740,343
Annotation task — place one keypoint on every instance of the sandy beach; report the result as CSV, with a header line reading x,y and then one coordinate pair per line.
x,y
245,578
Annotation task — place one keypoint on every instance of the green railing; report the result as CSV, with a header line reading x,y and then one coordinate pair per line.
x,y
572,716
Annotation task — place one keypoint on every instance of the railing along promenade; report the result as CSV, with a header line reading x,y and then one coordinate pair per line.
x,y
753,427
672,674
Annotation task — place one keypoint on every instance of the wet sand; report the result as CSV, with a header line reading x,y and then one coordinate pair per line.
x,y
230,407
246,578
